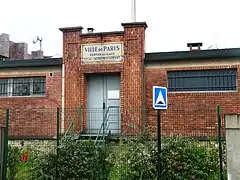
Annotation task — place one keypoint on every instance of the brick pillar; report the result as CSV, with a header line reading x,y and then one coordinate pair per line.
x,y
132,97
71,64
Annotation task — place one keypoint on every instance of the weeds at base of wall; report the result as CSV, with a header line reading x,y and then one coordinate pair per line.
x,y
182,158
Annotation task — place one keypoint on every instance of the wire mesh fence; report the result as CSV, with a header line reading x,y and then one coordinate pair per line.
x,y
199,122
44,143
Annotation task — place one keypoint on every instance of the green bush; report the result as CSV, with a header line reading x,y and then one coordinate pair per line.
x,y
76,160
181,158
184,158
14,158
132,160
17,169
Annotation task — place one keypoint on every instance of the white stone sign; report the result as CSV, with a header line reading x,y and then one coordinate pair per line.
x,y
102,52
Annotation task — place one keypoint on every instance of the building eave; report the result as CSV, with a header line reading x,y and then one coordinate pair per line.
x,y
193,55
31,63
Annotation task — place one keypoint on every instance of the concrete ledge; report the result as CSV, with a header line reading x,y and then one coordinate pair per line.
x,y
71,29
232,121
135,24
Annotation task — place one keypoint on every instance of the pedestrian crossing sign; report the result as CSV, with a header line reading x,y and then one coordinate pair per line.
x,y
159,97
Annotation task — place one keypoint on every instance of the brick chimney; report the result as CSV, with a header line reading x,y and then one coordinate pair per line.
x,y
194,46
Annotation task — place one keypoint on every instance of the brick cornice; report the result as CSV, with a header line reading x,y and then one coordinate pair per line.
x,y
134,24
71,29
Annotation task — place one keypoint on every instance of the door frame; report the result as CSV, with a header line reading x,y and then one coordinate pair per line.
x,y
105,98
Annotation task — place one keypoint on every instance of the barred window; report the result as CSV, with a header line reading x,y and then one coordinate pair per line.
x,y
3,87
30,86
203,80
39,86
21,86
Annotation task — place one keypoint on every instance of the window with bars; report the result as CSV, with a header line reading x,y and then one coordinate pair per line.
x,y
30,86
203,80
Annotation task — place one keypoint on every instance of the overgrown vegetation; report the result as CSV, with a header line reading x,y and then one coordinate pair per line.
x,y
182,158
13,161
188,159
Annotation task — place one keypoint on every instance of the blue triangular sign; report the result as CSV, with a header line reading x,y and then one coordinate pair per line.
x,y
159,97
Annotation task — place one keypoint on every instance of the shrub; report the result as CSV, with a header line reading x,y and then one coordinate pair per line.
x,y
132,160
76,160
181,158
184,158
14,157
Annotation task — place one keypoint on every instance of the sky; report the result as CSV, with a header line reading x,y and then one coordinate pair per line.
x,y
171,23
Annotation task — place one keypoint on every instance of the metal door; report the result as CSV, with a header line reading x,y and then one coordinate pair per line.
x,y
113,103
103,103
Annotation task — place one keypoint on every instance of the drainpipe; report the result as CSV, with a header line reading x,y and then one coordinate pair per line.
x,y
63,91
144,119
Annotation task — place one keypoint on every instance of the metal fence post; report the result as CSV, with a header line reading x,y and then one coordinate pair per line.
x,y
220,141
58,141
5,157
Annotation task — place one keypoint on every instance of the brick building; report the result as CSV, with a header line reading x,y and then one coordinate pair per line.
x,y
11,50
31,89
111,77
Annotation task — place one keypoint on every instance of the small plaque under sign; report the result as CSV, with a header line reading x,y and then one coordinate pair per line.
x,y
113,94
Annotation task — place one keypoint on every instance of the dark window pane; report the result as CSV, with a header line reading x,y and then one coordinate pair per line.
x,y
203,80
3,87
39,86
21,87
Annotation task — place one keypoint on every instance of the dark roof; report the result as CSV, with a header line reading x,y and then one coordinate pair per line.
x,y
31,63
193,55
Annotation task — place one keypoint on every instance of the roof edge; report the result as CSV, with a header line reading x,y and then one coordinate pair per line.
x,y
201,54
31,63
134,24
71,29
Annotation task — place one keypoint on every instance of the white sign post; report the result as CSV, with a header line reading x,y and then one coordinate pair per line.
x,y
159,102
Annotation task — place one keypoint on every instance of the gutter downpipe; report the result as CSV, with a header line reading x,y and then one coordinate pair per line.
x,y
63,97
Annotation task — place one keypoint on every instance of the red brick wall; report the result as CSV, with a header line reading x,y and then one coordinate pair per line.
x,y
190,114
34,116
132,87
130,69
72,78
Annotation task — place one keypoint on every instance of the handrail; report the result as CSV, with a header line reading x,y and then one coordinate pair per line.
x,y
79,111
105,120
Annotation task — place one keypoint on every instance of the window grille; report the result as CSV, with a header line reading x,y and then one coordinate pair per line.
x,y
203,80
30,86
